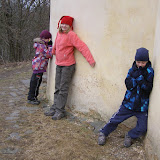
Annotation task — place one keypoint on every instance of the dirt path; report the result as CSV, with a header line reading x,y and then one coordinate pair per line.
x,y
26,134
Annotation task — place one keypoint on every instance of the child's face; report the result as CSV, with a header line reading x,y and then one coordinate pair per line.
x,y
65,27
141,63
46,40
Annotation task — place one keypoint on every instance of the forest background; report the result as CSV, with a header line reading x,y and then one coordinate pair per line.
x,y
20,22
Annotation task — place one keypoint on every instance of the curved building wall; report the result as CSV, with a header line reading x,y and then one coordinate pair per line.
x,y
153,134
112,30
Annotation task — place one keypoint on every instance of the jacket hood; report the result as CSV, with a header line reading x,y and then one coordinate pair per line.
x,y
38,40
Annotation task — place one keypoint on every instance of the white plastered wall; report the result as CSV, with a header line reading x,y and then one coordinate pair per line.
x,y
153,134
113,30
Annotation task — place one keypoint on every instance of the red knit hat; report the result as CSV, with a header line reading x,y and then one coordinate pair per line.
x,y
45,34
66,20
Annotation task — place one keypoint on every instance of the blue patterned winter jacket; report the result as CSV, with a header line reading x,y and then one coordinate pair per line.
x,y
139,83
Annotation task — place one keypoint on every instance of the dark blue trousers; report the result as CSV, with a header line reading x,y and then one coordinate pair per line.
x,y
122,114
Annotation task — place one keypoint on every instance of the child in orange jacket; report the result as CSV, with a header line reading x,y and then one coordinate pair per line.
x,y
65,42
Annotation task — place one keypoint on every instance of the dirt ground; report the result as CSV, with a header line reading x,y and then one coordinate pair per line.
x,y
26,134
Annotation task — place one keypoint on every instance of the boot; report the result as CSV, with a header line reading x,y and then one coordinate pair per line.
x,y
51,112
127,140
58,115
101,139
35,101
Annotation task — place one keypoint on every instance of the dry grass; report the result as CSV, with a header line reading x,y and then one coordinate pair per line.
x,y
41,138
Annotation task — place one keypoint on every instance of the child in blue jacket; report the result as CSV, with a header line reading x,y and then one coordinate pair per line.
x,y
139,83
43,47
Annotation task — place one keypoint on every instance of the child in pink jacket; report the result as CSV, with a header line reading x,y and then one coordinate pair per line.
x,y
39,64
65,42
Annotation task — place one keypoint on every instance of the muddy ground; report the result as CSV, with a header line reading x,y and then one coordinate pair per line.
x,y
26,134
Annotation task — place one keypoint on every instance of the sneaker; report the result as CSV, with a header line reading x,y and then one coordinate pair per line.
x,y
51,112
127,140
34,102
101,139
58,116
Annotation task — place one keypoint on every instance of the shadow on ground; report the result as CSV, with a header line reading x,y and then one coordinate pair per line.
x,y
26,134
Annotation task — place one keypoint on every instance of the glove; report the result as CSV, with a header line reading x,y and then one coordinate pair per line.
x,y
140,79
143,72
50,43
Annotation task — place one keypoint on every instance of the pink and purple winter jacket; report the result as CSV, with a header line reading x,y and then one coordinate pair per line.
x,y
64,49
40,61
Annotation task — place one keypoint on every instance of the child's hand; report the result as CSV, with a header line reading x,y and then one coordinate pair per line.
x,y
50,43
140,78
93,64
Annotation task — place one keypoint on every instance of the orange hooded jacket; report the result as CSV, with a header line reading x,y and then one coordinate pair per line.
x,y
64,49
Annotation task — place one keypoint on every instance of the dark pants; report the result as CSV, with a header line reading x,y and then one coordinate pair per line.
x,y
123,114
35,83
62,81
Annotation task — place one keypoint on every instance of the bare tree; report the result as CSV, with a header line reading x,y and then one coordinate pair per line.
x,y
20,22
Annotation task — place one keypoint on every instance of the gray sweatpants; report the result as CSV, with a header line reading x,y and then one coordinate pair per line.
x,y
63,78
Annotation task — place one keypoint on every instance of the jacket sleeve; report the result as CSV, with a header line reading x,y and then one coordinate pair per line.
x,y
35,45
130,82
49,52
147,83
81,46
42,50
54,47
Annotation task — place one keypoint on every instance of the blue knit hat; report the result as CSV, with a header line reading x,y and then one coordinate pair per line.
x,y
142,54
